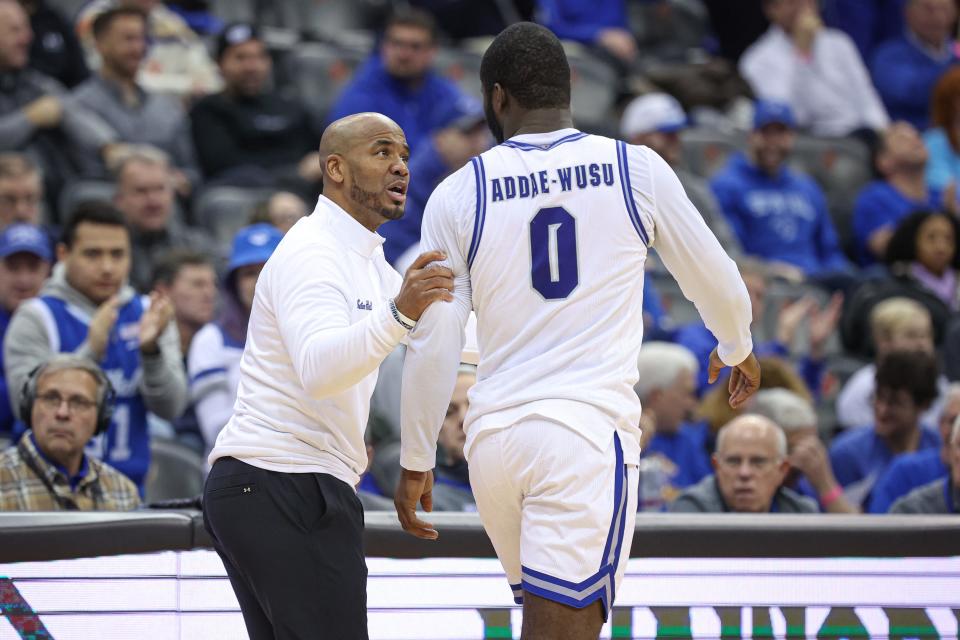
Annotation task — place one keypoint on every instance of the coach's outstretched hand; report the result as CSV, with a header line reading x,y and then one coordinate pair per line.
x,y
414,487
744,379
423,284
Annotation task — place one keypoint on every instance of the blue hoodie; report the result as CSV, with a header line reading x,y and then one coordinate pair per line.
x,y
434,104
904,75
581,20
781,218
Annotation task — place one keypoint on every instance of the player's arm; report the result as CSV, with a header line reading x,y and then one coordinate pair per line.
x,y
313,313
706,275
430,366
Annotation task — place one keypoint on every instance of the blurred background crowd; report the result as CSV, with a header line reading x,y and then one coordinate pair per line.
x,y
152,155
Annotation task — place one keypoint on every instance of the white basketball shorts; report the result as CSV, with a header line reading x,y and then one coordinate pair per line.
x,y
560,512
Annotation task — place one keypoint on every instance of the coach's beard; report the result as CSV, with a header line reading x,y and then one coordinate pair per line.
x,y
373,201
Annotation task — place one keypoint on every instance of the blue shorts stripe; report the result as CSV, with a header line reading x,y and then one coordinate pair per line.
x,y
627,192
577,603
479,178
561,583
619,500
615,558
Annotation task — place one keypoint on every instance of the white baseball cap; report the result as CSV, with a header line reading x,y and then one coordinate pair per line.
x,y
652,112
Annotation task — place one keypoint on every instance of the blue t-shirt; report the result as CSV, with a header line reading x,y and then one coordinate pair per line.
x,y
906,473
126,446
943,165
783,217
880,205
686,450
859,456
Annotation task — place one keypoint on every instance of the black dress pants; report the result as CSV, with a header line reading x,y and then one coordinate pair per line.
x,y
293,549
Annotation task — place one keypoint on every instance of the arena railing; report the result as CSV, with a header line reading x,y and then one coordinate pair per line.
x,y
63,535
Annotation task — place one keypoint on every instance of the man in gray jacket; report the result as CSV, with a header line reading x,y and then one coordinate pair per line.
x,y
87,308
37,115
750,464
942,495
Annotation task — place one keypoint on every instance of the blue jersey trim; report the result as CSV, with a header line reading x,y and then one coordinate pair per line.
x,y
207,372
227,340
627,196
564,591
481,180
526,146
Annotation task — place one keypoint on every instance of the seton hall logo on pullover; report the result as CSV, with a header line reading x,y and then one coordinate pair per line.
x,y
366,305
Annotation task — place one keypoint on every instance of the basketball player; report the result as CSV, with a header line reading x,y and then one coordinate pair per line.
x,y
546,235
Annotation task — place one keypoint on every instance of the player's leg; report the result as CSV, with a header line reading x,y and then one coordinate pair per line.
x,y
544,619
498,504
578,513
298,540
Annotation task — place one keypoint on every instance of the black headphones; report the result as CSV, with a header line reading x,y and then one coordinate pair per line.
x,y
106,395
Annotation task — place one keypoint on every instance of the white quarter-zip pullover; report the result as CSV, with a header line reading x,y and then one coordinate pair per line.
x,y
319,328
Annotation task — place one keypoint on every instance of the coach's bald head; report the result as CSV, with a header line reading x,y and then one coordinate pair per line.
x,y
364,159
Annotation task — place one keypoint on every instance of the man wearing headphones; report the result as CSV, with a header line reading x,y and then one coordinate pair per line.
x,y
64,402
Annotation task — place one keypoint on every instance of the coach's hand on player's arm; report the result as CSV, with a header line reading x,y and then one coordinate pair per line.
x,y
414,487
744,379
424,284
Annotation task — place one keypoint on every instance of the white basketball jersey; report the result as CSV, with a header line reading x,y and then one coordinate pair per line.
x,y
547,235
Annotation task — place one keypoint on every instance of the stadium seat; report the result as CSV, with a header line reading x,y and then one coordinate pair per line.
x,y
669,30
320,71
385,468
705,151
224,210
76,192
463,67
855,320
594,90
842,167
678,310
176,471
68,8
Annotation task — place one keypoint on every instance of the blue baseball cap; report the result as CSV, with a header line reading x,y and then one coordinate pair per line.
x,y
253,245
25,238
772,112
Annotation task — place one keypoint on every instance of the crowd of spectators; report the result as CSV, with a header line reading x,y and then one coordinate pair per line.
x,y
827,166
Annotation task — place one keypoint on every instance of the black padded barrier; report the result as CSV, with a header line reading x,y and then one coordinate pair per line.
x,y
61,535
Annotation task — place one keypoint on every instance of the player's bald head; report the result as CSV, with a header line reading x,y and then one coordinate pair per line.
x,y
350,131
